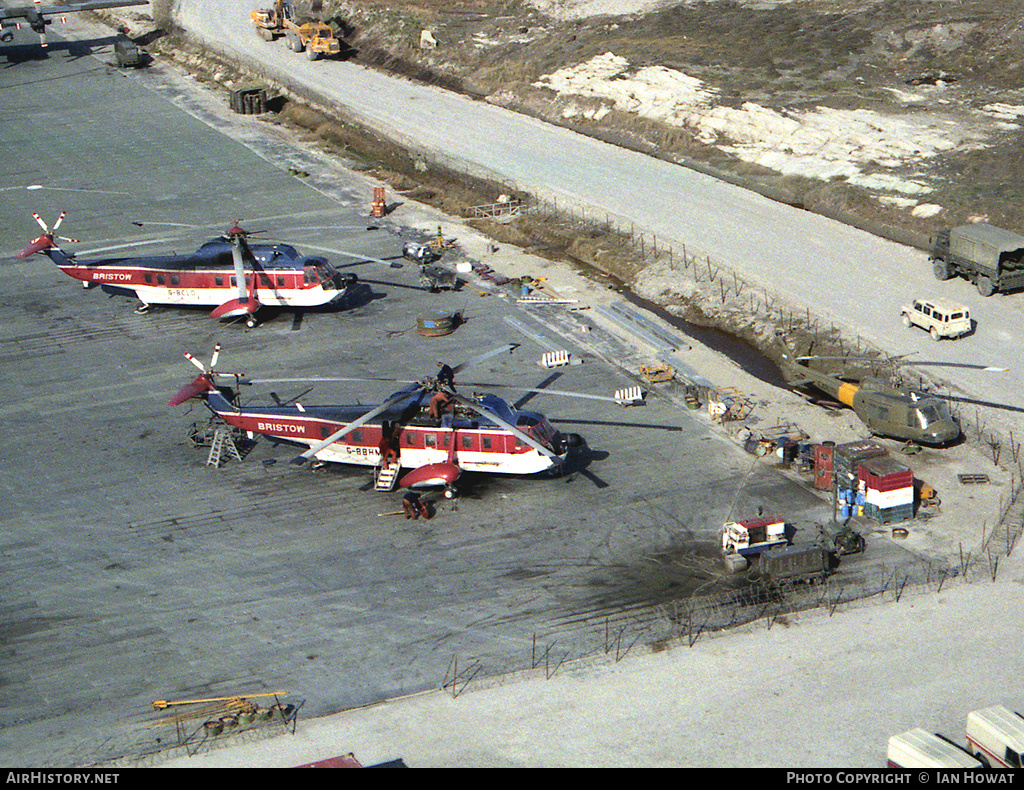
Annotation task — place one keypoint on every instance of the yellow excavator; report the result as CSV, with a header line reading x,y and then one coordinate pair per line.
x,y
315,38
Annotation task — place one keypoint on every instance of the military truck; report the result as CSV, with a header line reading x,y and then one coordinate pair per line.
x,y
991,258
784,566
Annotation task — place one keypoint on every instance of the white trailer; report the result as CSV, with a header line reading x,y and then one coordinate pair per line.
x,y
917,748
996,736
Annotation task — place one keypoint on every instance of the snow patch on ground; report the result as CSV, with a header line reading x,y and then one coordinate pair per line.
x,y
824,143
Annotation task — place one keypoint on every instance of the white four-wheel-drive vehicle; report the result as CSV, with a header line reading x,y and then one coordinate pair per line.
x,y
939,317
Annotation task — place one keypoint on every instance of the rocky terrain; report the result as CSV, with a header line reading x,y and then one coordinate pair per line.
x,y
930,64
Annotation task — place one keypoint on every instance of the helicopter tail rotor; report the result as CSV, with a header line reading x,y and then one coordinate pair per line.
x,y
48,240
204,382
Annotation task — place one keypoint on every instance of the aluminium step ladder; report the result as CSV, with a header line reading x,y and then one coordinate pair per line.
x,y
222,445
387,477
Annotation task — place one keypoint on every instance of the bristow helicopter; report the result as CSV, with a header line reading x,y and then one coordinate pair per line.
x,y
435,432
886,410
228,273
35,15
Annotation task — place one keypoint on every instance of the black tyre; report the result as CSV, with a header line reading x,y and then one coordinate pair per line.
x,y
942,270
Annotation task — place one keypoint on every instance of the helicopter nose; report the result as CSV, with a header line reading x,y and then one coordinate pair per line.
x,y
942,432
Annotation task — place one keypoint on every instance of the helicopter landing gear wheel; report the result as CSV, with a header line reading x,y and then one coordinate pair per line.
x,y
250,322
449,492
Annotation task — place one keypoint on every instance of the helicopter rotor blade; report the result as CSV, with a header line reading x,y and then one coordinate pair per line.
x,y
509,347
320,380
196,362
967,365
521,435
542,391
236,259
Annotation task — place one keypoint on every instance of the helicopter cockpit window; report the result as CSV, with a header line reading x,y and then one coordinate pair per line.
x,y
931,413
325,276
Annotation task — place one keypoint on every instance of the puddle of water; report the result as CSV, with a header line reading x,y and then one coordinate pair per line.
x,y
739,351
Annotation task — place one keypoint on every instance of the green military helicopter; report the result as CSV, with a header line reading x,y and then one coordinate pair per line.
x,y
887,410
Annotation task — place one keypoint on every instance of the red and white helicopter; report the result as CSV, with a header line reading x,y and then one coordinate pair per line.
x,y
482,433
227,273
35,15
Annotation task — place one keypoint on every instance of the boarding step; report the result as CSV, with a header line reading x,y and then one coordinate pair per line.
x,y
387,477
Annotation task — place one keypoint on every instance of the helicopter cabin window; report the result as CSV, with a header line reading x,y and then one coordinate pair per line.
x,y
467,442
148,278
234,282
355,437
430,440
487,442
175,280
882,413
219,280
264,281
160,279
280,281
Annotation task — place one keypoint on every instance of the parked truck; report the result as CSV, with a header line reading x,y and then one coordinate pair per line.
x,y
316,38
918,748
990,257
743,540
996,736
784,566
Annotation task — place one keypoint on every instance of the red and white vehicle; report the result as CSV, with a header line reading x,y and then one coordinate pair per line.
x,y
478,434
228,274
996,736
